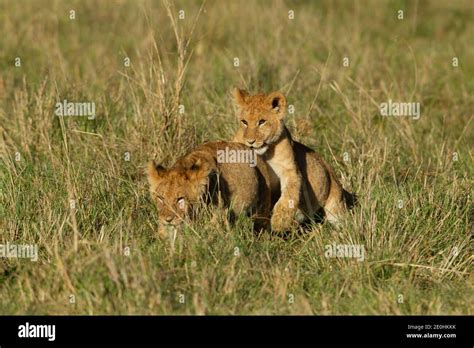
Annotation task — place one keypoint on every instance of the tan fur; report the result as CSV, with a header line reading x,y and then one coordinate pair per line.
x,y
198,178
307,182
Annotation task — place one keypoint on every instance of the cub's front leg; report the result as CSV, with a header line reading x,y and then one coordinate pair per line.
x,y
284,211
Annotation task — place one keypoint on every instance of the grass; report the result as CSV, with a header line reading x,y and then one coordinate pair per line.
x,y
104,257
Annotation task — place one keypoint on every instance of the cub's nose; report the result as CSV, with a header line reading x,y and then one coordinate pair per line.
x,y
251,141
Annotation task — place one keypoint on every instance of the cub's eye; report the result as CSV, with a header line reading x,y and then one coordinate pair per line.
x,y
244,122
160,199
262,122
180,202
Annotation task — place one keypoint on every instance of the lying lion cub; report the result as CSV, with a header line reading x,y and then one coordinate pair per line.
x,y
307,182
214,172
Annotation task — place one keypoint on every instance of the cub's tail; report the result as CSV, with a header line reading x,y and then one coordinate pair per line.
x,y
350,199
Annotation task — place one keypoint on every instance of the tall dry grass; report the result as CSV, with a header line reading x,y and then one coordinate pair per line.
x,y
104,251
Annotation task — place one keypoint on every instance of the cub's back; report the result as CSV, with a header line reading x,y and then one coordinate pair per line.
x,y
241,183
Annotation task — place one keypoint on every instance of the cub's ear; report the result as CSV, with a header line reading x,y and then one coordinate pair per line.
x,y
240,96
277,102
154,173
197,169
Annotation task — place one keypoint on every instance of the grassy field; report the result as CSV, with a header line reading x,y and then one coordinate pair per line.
x,y
161,85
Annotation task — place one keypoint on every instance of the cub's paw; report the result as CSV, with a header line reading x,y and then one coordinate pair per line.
x,y
283,217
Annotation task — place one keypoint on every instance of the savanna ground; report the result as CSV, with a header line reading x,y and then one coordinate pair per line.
x,y
413,177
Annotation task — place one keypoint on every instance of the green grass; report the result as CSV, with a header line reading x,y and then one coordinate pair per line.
x,y
422,251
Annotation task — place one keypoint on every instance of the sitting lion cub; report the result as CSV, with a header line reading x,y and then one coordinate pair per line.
x,y
214,172
307,182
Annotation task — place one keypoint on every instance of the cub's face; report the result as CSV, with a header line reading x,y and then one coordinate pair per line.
x,y
260,119
176,191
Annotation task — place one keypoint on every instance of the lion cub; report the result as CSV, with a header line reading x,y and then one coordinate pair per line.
x,y
307,183
214,173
